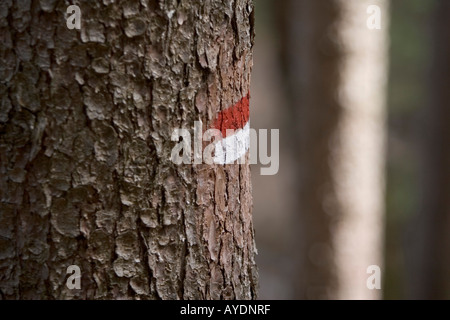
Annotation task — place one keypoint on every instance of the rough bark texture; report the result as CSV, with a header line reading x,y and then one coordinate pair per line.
x,y
336,75
429,254
86,119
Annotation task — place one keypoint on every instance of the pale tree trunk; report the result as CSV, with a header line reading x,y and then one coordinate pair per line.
x,y
337,72
85,140
430,252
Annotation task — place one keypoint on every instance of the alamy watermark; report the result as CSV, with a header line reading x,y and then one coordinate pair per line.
x,y
74,280
374,280
374,20
74,20
227,149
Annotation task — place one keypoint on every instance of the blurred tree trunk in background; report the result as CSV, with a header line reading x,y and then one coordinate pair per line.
x,y
430,253
86,179
336,72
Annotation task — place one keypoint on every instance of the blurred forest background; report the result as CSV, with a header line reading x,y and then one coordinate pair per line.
x,y
412,223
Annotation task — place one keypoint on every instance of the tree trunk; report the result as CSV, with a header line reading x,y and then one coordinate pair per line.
x,y
430,277
336,81
86,178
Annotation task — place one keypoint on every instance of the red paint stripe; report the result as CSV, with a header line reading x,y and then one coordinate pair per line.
x,y
234,117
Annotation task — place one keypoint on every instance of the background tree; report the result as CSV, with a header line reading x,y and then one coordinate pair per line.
x,y
430,236
86,179
336,71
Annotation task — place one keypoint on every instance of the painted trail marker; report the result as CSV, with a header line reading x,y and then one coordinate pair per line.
x,y
234,124
229,139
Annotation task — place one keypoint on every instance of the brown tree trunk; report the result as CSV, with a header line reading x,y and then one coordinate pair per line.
x,y
336,71
85,140
430,250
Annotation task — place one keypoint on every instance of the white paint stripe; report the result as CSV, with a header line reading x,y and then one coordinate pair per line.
x,y
233,147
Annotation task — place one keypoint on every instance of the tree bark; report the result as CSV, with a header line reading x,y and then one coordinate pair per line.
x,y
85,140
430,239
336,72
